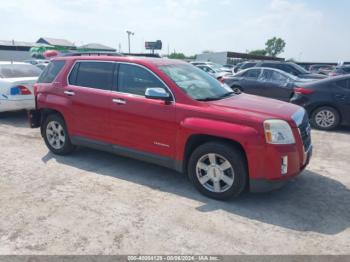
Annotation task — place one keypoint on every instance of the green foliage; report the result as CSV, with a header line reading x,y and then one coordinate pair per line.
x,y
275,46
177,56
258,52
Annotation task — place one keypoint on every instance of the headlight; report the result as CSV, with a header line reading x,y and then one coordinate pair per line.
x,y
278,132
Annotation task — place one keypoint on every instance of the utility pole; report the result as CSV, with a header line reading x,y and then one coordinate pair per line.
x,y
129,34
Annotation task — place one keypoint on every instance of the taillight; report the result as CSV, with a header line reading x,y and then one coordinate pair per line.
x,y
20,90
303,91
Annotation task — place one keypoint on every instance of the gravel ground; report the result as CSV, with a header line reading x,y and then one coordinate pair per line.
x,y
97,203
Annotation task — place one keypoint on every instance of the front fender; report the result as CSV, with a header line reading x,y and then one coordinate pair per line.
x,y
250,139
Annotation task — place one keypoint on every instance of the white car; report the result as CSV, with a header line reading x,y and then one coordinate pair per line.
x,y
215,71
16,85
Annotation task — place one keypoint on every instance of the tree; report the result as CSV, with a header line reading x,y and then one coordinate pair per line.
x,y
261,52
177,56
275,46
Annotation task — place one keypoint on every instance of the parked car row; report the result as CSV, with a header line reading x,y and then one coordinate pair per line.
x,y
327,101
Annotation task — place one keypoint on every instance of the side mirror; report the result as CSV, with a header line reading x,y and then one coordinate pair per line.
x,y
158,93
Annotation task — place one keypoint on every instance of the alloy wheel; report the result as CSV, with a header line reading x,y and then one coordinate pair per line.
x,y
325,118
55,135
215,173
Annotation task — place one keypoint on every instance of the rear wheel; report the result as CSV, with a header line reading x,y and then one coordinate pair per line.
x,y
237,89
56,136
325,118
218,170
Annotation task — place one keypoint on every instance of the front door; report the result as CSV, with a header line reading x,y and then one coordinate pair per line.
x,y
139,123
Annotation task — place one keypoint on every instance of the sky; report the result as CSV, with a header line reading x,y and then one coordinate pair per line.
x,y
314,30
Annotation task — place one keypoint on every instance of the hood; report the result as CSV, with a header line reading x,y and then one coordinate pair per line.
x,y
250,106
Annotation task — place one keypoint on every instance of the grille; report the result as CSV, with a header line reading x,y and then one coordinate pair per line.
x,y
305,133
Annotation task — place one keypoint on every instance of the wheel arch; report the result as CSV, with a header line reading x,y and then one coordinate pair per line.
x,y
196,140
45,112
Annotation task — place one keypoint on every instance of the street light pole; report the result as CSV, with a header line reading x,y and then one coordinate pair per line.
x,y
129,34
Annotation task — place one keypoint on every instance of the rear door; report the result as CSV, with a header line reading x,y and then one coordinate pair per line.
x,y
275,85
341,93
139,123
89,94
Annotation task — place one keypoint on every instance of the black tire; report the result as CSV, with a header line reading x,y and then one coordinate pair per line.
x,y
238,164
236,89
333,123
65,146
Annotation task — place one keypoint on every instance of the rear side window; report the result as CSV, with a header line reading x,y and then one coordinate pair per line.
x,y
97,75
51,71
135,80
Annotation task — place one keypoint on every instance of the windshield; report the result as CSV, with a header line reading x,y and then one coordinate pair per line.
x,y
196,83
19,70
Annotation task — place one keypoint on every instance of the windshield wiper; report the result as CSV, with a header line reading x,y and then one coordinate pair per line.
x,y
217,97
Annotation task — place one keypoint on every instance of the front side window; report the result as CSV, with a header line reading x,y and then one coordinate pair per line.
x,y
135,80
196,83
19,70
253,73
97,75
51,71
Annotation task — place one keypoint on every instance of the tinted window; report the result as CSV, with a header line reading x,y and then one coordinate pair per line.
x,y
51,71
93,74
135,80
19,70
266,75
271,65
254,73
346,69
247,65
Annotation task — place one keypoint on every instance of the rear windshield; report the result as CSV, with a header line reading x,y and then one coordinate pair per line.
x,y
19,70
51,71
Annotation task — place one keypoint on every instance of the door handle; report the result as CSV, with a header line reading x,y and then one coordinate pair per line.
x,y
119,101
340,96
69,93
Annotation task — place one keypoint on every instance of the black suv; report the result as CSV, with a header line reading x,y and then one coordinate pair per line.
x,y
288,67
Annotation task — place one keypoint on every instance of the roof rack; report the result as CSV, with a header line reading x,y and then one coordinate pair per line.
x,y
92,54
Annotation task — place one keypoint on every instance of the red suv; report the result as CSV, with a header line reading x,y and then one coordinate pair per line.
x,y
175,115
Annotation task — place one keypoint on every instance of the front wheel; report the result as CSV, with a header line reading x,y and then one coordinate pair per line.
x,y
325,118
56,136
218,170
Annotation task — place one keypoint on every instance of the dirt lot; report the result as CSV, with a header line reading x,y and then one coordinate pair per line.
x,y
97,203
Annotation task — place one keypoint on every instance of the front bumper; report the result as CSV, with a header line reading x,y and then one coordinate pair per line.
x,y
265,185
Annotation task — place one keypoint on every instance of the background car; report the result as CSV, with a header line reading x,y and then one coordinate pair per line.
x,y
327,101
288,67
321,69
340,70
16,85
214,70
244,65
266,82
